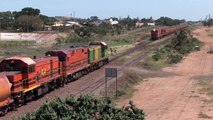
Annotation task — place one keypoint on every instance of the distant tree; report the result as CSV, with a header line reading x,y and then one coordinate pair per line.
x,y
6,20
94,18
128,22
30,11
47,20
208,21
151,19
168,21
26,11
29,23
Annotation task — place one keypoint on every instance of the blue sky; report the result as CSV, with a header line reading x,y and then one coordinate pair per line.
x,y
181,9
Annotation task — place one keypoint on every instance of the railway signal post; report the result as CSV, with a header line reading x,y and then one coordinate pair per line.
x,y
112,73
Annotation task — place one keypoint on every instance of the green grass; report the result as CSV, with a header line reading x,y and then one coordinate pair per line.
x,y
24,48
128,37
149,63
129,56
126,40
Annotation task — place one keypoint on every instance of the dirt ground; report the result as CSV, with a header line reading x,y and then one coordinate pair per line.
x,y
177,96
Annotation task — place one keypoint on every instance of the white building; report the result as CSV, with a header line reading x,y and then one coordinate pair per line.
x,y
151,24
113,22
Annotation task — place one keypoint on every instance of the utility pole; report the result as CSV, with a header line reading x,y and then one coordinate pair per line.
x,y
74,15
27,21
27,17
0,30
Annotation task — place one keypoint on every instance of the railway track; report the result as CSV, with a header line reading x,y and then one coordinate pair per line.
x,y
145,47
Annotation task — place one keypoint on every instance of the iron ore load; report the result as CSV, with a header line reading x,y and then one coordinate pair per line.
x,y
23,79
164,31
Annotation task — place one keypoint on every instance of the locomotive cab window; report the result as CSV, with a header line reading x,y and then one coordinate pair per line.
x,y
12,67
32,69
62,59
24,70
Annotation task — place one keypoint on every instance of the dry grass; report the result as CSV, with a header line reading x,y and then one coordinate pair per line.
x,y
211,34
202,115
206,87
126,85
129,56
149,63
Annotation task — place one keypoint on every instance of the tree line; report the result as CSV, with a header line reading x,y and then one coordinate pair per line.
x,y
30,19
208,21
26,20
166,21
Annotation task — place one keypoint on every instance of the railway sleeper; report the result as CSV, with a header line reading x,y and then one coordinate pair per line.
x,y
3,110
10,106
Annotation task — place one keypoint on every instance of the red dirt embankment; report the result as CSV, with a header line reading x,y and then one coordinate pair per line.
x,y
177,96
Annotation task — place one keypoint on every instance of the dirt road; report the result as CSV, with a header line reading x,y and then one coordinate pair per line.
x,y
177,96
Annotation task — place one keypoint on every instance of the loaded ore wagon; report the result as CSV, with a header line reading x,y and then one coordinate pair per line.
x,y
164,31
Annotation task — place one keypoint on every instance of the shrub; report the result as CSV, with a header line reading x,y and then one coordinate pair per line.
x,y
85,107
179,46
175,58
156,56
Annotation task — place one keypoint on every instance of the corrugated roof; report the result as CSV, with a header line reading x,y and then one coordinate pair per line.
x,y
26,60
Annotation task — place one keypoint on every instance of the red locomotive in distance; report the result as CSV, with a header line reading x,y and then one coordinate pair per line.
x,y
23,79
164,31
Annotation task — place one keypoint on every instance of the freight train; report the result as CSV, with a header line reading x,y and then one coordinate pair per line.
x,y
164,31
23,79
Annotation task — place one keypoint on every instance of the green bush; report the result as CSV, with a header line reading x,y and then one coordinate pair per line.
x,y
179,46
175,58
85,107
157,55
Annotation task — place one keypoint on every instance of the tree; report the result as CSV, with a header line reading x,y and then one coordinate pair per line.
x,y
47,20
30,11
94,18
168,21
29,23
6,20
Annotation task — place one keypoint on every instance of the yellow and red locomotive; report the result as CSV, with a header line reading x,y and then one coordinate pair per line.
x,y
23,78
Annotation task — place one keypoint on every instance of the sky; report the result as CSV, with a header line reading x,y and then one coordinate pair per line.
x,y
180,9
